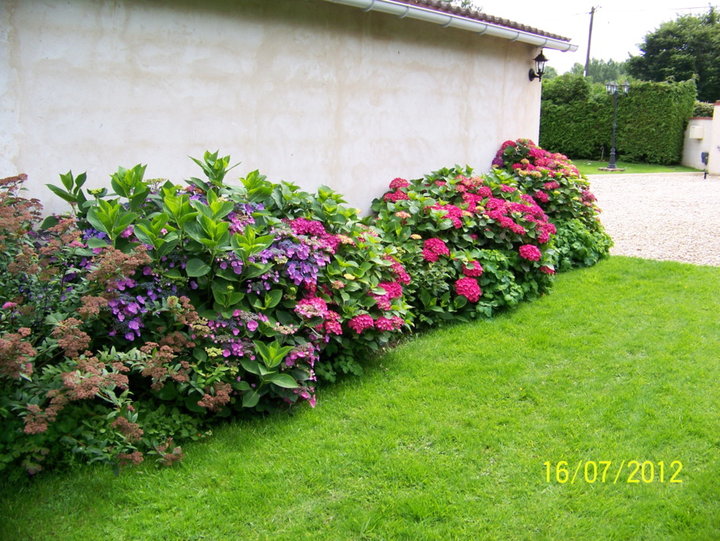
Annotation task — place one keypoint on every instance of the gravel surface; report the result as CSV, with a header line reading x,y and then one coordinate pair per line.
x,y
669,216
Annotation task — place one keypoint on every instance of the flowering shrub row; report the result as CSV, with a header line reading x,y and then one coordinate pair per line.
x,y
153,309
557,186
158,307
474,244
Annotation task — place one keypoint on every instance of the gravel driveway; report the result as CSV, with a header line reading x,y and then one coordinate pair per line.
x,y
671,216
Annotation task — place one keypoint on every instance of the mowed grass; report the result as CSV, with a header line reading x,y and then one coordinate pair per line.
x,y
446,436
590,167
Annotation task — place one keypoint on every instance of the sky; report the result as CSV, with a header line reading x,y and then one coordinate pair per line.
x,y
619,26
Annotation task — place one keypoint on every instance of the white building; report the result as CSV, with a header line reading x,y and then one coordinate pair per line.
x,y
348,93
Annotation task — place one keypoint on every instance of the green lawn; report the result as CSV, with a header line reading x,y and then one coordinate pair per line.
x,y
588,167
446,436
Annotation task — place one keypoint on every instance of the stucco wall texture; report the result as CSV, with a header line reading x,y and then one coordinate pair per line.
x,y
304,90
703,135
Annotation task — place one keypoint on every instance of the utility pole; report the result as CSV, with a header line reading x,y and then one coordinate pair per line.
x,y
587,58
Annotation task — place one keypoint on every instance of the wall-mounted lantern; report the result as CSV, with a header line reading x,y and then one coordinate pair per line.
x,y
539,70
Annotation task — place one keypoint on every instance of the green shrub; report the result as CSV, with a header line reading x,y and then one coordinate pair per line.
x,y
703,109
154,310
474,244
557,186
194,300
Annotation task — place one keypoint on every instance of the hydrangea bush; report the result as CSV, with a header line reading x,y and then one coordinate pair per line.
x,y
200,301
557,186
475,244
151,310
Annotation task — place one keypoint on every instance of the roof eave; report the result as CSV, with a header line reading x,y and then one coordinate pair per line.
x,y
403,10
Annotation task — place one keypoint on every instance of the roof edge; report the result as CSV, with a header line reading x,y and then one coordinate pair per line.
x,y
503,28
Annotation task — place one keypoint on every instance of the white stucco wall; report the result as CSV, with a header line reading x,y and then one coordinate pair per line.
x,y
714,136
698,135
303,90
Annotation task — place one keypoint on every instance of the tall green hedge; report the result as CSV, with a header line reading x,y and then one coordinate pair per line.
x,y
576,119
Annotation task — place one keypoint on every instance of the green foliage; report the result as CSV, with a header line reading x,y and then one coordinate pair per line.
x,y
156,310
686,48
703,109
564,195
577,118
207,301
475,244
602,71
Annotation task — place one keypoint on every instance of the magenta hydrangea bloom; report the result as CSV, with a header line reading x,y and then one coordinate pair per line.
x,y
395,196
361,323
468,288
398,183
472,269
389,324
530,252
547,270
302,226
433,248
393,289
332,323
452,213
398,270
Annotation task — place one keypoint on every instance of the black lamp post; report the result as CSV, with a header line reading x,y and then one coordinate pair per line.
x,y
539,70
614,89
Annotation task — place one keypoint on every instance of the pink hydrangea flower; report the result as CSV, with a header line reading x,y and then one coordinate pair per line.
x,y
469,288
547,270
389,324
433,248
332,323
507,189
361,323
393,289
398,270
530,252
383,302
398,183
302,226
452,213
311,307
395,196
541,196
472,269
551,185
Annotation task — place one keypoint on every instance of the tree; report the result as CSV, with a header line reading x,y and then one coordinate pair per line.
x,y
686,48
550,73
602,71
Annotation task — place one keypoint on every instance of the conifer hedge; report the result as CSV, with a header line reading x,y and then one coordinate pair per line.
x,y
577,115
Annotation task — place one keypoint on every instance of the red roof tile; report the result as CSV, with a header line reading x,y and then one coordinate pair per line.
x,y
470,13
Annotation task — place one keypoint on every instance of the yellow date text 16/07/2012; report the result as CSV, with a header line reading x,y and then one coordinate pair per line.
x,y
609,471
